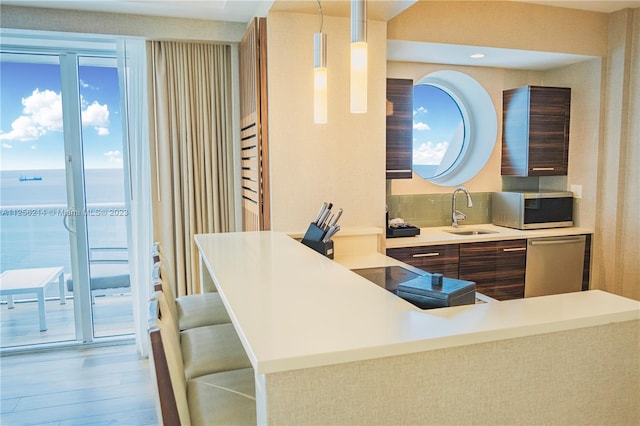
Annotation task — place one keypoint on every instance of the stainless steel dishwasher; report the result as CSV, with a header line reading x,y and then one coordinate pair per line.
x,y
554,265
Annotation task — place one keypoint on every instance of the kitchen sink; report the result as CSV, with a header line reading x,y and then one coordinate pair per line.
x,y
471,231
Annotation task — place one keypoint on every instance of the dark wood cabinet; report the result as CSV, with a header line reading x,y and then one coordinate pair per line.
x,y
535,131
442,259
497,267
399,128
586,269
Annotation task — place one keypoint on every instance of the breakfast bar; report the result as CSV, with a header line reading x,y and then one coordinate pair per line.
x,y
328,346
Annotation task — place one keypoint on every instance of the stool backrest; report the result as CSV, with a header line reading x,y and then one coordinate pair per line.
x,y
168,366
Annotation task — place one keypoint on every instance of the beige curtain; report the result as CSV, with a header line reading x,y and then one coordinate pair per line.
x,y
191,144
617,238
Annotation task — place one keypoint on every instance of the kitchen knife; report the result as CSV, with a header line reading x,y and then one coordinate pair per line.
x,y
325,215
327,222
322,208
331,232
335,218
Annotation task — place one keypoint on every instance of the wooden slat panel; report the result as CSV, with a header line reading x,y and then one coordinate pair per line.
x,y
253,127
265,208
250,184
249,123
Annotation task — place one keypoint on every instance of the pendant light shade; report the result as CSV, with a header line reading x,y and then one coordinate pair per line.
x,y
359,56
320,78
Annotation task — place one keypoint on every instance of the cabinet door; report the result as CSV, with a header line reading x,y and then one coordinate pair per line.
x,y
549,112
497,267
399,128
535,131
441,259
515,131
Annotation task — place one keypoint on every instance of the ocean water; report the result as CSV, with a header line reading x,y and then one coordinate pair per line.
x,y
32,233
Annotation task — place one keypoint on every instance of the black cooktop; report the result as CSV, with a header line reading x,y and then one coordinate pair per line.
x,y
387,276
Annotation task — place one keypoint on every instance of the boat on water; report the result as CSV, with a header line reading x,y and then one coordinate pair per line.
x,y
27,178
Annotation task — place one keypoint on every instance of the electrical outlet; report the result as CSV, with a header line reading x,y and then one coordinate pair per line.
x,y
577,191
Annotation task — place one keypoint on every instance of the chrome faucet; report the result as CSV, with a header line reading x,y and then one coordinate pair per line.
x,y
457,215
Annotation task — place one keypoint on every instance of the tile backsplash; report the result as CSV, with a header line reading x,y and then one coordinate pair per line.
x,y
426,210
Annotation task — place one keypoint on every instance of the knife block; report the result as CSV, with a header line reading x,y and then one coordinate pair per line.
x,y
313,239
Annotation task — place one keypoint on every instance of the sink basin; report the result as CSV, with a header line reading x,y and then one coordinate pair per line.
x,y
471,231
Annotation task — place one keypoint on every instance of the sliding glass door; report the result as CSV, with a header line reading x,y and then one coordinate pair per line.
x,y
63,196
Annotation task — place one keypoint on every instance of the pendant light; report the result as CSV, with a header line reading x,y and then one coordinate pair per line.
x,y
358,56
320,74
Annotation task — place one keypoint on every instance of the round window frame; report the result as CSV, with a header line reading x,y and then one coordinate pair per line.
x,y
480,125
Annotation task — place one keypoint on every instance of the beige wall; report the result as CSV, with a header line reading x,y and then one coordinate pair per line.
x,y
584,79
342,161
147,27
503,24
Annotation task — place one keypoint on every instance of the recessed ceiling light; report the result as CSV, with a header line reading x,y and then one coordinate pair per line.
x,y
477,55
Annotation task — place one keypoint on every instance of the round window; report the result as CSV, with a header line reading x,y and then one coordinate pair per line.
x,y
438,131
454,127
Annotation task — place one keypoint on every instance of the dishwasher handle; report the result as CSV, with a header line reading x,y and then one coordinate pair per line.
x,y
570,240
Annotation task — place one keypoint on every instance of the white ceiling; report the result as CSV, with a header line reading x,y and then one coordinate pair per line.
x,y
437,53
245,10
606,6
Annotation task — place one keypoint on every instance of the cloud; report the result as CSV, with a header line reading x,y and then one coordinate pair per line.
x,y
97,116
420,126
429,153
6,145
42,113
420,110
114,157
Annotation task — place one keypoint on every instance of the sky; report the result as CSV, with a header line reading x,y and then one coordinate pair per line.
x,y
31,129
436,119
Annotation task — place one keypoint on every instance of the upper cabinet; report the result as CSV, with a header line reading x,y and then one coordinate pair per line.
x,y
399,128
535,131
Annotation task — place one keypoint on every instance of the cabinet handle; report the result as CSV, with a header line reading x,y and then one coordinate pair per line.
x,y
426,254
541,169
399,171
515,249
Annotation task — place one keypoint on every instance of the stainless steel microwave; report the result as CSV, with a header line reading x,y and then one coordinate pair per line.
x,y
532,210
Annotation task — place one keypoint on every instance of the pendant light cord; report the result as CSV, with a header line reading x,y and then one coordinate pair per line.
x,y
321,15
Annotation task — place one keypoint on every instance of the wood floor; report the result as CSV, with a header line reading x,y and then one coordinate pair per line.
x,y
91,386
112,313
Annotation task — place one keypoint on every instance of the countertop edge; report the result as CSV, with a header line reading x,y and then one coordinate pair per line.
x,y
444,342
383,328
439,235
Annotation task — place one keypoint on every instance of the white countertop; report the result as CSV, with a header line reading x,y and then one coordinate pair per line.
x,y
294,308
439,235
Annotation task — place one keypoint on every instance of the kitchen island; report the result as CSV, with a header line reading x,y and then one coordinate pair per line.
x,y
330,347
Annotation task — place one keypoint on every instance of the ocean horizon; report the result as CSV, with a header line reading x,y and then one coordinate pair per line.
x,y
32,233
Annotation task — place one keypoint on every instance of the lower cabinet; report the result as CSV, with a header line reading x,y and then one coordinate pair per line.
x,y
441,259
497,267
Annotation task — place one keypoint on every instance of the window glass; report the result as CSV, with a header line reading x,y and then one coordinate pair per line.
x,y
438,131
454,127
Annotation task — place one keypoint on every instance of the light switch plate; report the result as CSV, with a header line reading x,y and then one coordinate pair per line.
x,y
577,191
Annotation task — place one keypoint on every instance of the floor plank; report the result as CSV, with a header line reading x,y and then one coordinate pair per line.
x,y
89,386
112,316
